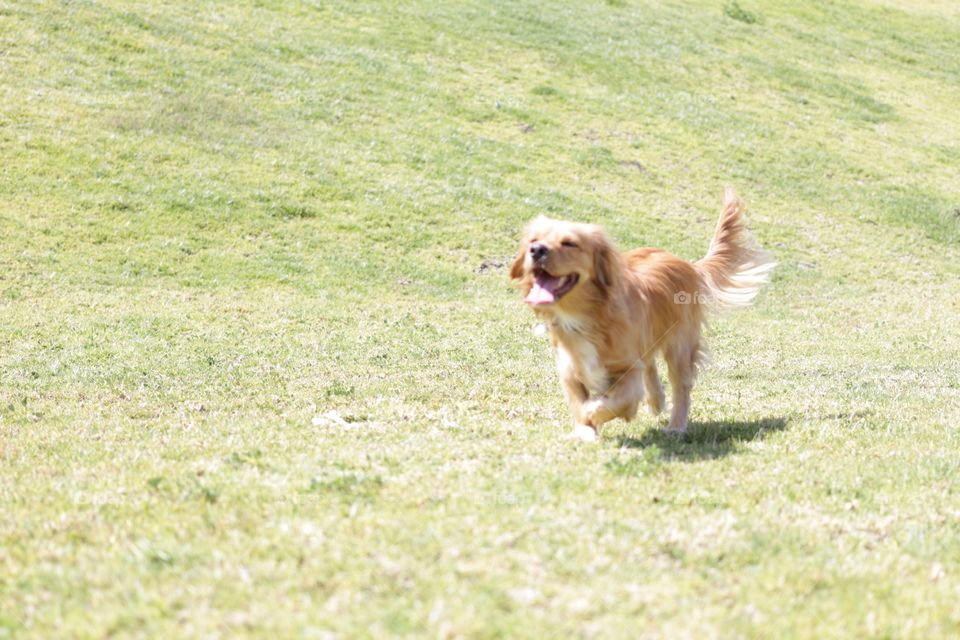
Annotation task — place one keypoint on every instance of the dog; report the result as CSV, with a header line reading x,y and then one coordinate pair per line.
x,y
610,314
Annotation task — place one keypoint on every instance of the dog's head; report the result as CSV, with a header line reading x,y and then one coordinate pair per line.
x,y
560,262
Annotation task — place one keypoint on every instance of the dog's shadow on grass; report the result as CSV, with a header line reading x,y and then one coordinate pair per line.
x,y
705,440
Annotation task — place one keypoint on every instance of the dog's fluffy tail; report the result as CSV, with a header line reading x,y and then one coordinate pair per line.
x,y
733,269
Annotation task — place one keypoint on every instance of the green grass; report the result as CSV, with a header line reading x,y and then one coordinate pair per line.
x,y
262,371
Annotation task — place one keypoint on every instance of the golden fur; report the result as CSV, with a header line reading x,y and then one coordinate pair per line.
x,y
610,313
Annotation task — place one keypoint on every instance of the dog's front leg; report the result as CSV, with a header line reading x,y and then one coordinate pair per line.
x,y
619,401
577,396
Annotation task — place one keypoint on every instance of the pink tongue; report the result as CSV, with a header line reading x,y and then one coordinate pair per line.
x,y
539,295
542,291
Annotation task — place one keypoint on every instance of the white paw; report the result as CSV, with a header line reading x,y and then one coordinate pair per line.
x,y
583,433
596,412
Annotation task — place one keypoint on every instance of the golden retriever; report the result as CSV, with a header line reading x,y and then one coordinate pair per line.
x,y
610,313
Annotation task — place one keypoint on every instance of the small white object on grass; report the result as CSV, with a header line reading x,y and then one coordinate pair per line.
x,y
540,330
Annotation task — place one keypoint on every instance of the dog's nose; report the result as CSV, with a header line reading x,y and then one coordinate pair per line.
x,y
538,251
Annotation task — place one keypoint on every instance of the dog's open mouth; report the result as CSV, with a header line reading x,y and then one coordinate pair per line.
x,y
547,289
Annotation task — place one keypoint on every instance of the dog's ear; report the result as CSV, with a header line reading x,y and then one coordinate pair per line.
x,y
606,261
516,270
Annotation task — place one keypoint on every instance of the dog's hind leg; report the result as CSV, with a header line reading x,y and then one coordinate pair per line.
x,y
681,368
654,390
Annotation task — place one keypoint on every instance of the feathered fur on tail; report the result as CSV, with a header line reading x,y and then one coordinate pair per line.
x,y
733,269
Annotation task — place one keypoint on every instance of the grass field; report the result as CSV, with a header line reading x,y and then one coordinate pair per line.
x,y
262,371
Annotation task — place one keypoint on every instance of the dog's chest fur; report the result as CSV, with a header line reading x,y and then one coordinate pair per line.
x,y
576,354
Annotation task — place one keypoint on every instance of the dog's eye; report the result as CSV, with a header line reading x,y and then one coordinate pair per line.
x,y
569,243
